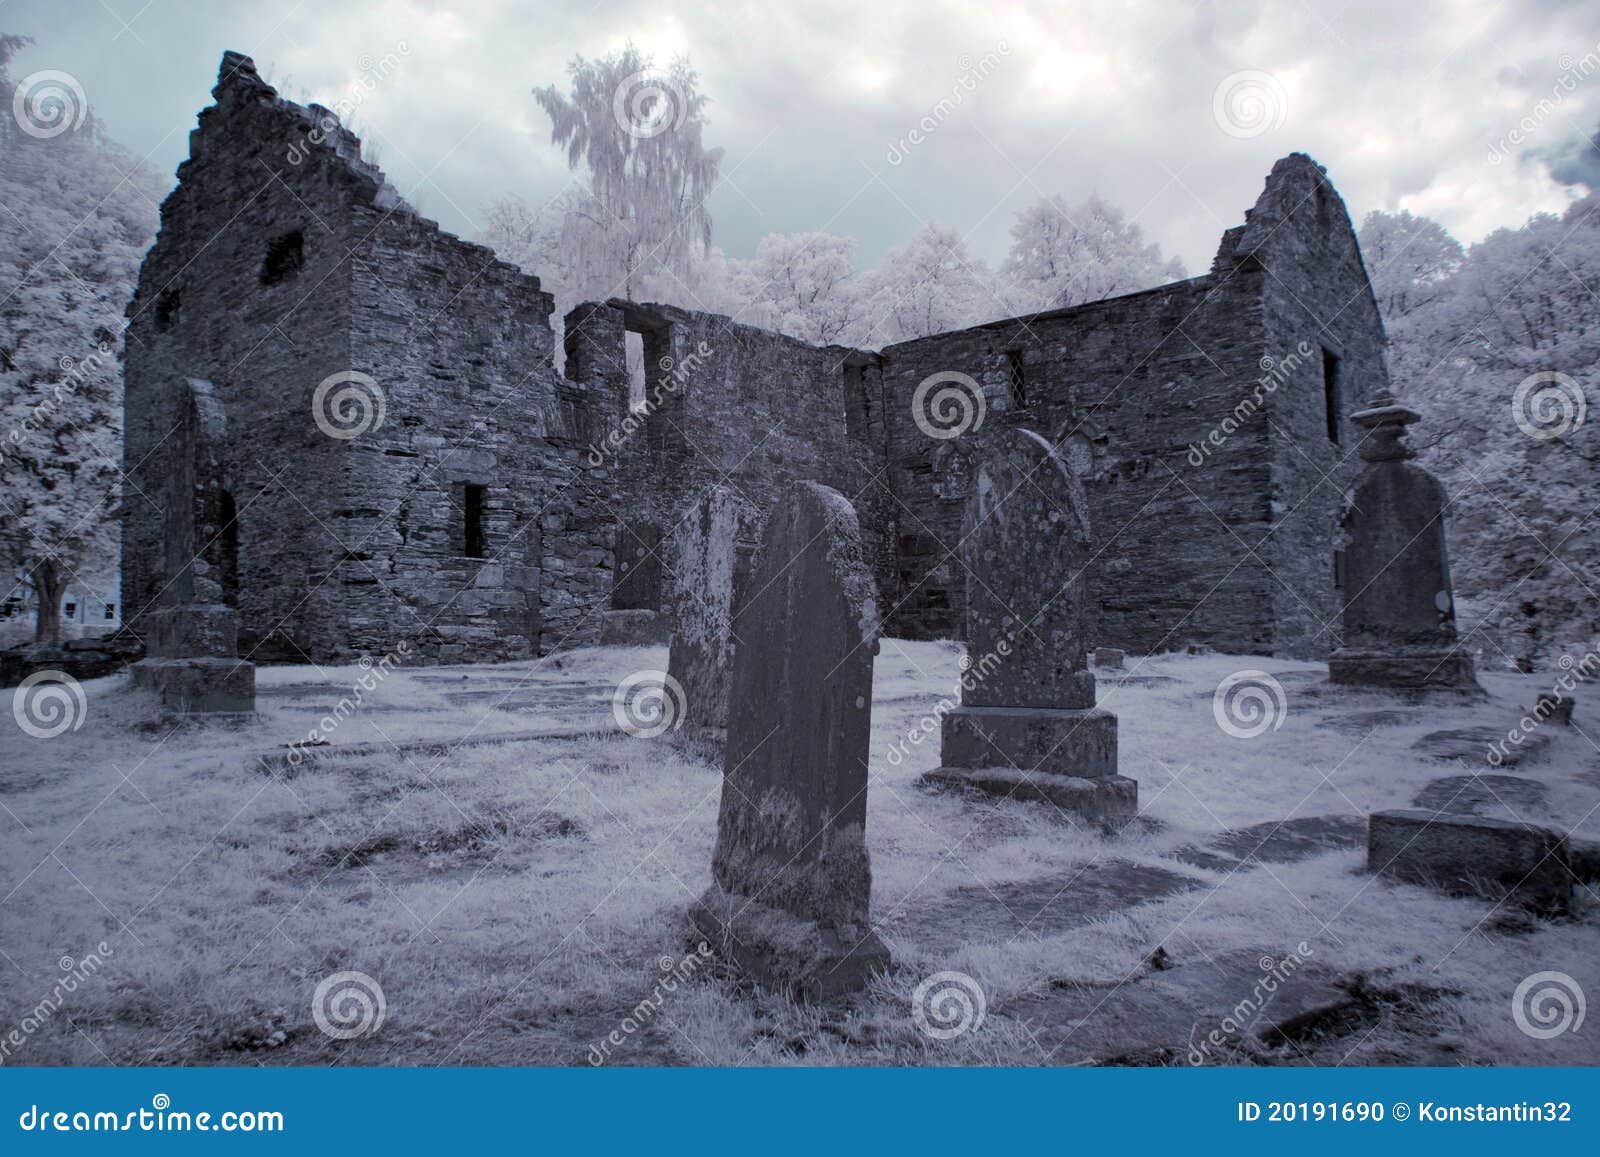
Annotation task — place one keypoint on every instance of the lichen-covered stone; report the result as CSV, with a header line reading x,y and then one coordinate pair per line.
x,y
1473,855
1027,726
711,557
791,897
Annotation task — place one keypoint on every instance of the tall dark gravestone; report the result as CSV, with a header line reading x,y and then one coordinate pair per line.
x,y
1399,609
1028,727
790,899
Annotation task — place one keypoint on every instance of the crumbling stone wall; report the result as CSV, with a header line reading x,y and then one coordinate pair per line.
x,y
498,509
1214,505
284,259
731,405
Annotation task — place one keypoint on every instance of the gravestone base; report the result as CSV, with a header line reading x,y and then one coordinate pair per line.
x,y
1442,669
786,953
211,688
1112,801
637,628
1058,741
1471,855
192,631
1060,756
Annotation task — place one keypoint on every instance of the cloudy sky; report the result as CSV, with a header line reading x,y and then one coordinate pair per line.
x,y
1472,112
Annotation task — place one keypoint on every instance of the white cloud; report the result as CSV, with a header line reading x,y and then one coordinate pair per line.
x,y
1402,102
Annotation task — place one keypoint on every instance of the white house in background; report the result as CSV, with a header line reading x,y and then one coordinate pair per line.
x,y
85,610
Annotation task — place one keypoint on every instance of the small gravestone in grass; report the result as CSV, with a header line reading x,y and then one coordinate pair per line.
x,y
792,881
1399,609
1027,727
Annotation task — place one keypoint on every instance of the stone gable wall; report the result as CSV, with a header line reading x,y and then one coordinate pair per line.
x,y
361,542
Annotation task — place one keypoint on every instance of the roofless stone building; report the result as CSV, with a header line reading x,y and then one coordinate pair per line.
x,y
403,460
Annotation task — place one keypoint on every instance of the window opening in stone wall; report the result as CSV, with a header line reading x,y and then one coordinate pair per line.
x,y
1019,382
857,403
475,543
228,548
1330,393
285,256
167,309
633,352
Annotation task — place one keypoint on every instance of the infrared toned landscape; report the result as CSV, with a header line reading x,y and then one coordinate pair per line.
x,y
1045,535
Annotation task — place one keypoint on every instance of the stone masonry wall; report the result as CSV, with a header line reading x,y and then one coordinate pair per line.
x,y
346,545
734,405
1124,387
498,509
1199,431
202,309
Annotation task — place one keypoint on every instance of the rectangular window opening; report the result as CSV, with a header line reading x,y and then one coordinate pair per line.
x,y
285,256
475,543
1019,382
638,379
1330,394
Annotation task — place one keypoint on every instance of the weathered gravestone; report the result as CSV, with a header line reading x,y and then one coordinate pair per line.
x,y
710,558
1472,855
634,618
1027,726
792,882
192,638
1399,610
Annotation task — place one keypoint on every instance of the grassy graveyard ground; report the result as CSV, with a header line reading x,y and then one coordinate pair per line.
x,y
516,903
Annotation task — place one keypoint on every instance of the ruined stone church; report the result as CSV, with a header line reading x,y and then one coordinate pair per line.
x,y
397,456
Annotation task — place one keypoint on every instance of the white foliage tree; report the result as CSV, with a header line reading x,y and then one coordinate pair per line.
x,y
928,285
1065,255
80,213
1466,332
799,284
637,134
